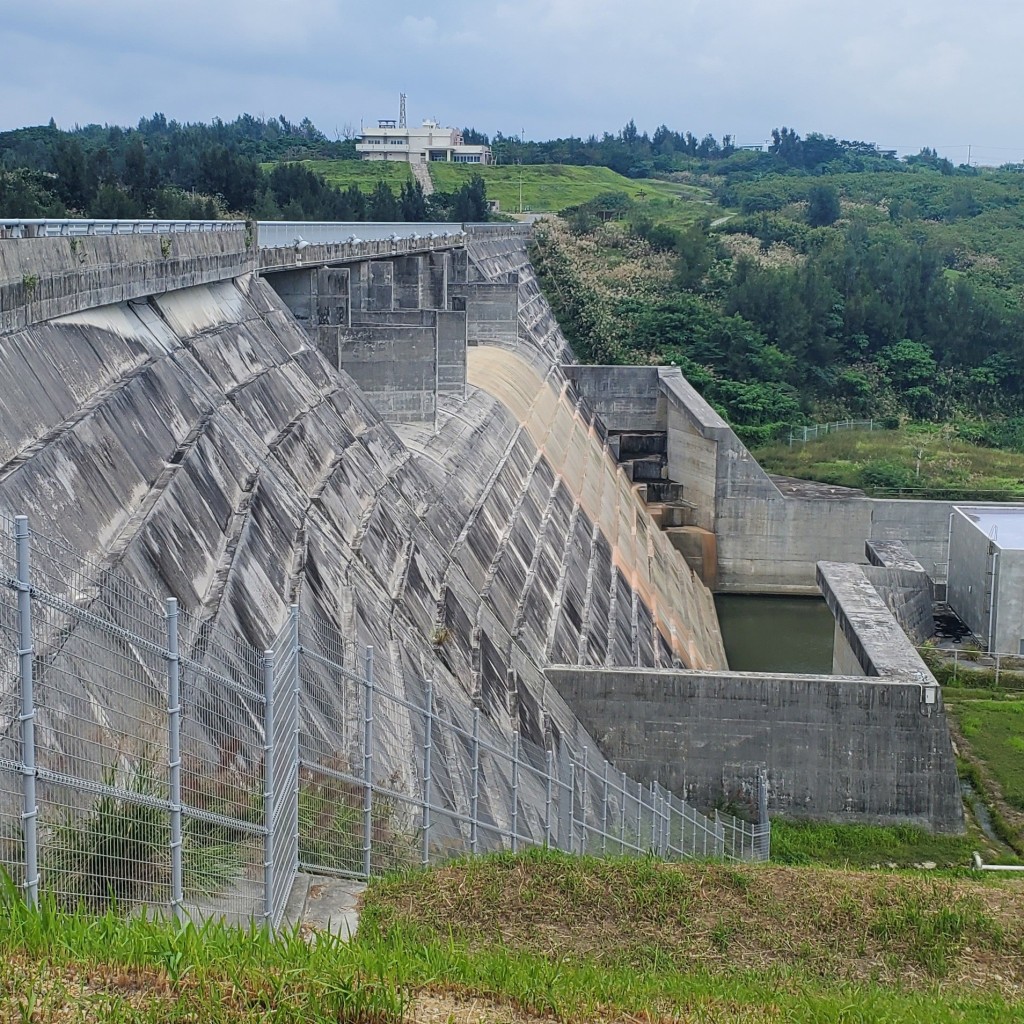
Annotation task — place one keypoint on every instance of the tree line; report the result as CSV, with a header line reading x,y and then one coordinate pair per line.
x,y
166,169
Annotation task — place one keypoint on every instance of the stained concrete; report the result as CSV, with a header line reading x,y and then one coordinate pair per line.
x,y
844,749
198,442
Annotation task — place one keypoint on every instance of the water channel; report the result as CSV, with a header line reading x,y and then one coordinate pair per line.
x,y
765,633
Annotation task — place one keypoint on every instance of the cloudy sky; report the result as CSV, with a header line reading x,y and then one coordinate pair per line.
x,y
902,73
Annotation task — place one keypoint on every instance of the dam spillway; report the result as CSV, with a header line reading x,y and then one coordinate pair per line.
x,y
393,436
191,437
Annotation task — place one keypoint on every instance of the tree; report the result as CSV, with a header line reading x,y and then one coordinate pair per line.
x,y
383,205
822,206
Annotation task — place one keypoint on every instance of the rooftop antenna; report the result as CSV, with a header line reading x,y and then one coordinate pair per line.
x,y
401,113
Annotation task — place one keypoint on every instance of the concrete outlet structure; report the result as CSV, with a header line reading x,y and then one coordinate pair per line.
x,y
986,574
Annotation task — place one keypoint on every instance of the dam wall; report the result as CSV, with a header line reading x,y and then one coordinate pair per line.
x,y
204,442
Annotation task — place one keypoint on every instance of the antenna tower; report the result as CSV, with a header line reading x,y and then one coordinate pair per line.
x,y
401,113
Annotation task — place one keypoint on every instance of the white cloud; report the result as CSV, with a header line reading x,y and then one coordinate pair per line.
x,y
918,73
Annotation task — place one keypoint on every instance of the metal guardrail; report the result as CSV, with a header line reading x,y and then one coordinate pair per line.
x,y
800,435
75,227
971,660
182,770
276,234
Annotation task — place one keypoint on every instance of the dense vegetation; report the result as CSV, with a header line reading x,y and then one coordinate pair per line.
x,y
892,292
167,169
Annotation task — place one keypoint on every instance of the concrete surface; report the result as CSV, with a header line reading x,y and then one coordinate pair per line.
x,y
321,903
843,749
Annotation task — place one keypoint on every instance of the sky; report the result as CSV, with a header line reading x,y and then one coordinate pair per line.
x,y
901,73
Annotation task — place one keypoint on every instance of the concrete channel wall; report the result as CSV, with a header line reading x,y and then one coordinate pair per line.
x,y
843,749
767,541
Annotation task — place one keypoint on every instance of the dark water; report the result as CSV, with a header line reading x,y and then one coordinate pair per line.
x,y
776,634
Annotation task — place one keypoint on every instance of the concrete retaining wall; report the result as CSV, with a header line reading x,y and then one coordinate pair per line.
x,y
843,749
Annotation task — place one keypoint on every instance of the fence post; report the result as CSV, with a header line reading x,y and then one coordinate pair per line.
x,y
26,655
604,813
269,780
174,752
368,761
622,816
428,743
997,670
654,817
639,816
515,791
296,654
474,831
549,759
572,807
584,795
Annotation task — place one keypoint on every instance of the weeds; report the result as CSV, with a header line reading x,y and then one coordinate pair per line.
x,y
117,853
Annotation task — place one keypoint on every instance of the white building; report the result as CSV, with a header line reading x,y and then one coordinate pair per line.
x,y
392,140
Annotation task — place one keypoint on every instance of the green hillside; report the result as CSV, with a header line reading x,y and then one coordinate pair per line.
x,y
552,187
363,173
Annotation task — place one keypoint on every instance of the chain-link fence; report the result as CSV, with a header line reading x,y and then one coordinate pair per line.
x,y
381,784
801,435
152,759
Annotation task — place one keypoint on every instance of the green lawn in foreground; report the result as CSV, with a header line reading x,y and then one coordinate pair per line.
x,y
549,936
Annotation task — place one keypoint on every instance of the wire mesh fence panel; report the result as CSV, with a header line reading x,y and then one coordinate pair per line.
x,y
332,752
222,791
283,730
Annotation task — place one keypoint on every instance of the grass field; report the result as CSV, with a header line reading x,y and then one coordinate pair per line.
x,y
995,731
552,187
363,173
545,936
912,457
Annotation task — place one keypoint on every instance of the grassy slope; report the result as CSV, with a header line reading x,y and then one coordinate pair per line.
x,y
364,173
551,187
995,731
547,935
945,463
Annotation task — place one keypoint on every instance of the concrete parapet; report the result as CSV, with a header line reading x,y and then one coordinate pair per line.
x,y
842,749
870,631
44,278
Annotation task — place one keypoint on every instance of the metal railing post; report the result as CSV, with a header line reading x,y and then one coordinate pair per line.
x,y
428,737
622,816
584,798
367,761
269,780
515,791
474,830
604,814
174,753
549,765
572,807
26,655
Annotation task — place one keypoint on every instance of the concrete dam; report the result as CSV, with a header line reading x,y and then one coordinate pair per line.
x,y
391,434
